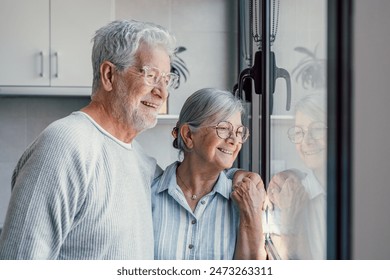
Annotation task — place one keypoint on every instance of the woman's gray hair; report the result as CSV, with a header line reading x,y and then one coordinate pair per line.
x,y
207,106
119,41
314,106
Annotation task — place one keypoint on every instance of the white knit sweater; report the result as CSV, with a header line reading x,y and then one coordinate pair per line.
x,y
79,193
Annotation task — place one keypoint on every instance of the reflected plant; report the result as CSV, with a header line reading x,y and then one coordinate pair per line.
x,y
178,65
310,70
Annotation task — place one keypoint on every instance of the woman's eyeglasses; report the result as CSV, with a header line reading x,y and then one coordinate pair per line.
x,y
225,130
316,130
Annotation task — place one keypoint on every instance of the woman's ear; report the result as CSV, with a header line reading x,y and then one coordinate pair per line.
x,y
187,136
107,70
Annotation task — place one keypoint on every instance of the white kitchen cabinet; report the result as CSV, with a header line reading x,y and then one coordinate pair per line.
x,y
46,44
24,45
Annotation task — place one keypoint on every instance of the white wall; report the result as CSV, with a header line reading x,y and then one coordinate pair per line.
x,y
371,198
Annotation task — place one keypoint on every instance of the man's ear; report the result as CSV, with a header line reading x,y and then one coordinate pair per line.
x,y
107,73
187,136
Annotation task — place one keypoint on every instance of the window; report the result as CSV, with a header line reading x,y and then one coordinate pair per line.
x,y
289,119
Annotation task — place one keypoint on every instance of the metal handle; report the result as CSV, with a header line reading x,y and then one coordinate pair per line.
x,y
42,65
56,56
246,73
283,73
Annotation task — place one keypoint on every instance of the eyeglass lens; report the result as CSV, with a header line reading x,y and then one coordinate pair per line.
x,y
153,76
316,131
225,130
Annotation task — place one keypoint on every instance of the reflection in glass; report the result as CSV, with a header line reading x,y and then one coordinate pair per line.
x,y
316,130
296,215
298,196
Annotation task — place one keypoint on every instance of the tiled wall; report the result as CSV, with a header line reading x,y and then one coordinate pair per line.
x,y
206,28
21,120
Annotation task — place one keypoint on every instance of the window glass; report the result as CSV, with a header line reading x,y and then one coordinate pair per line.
x,y
296,215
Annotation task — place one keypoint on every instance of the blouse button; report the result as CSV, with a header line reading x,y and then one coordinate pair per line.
x,y
203,202
193,222
190,246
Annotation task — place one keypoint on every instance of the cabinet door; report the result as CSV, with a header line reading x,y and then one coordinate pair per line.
x,y
73,25
24,47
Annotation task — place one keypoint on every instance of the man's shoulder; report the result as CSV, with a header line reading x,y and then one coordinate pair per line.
x,y
73,130
65,136
71,125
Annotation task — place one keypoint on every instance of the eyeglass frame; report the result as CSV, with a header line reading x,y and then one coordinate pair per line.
x,y
147,68
231,131
305,132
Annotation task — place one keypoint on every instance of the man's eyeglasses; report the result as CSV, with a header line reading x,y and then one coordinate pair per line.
x,y
316,130
153,76
225,130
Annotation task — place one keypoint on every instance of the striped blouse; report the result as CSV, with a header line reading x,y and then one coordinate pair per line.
x,y
207,233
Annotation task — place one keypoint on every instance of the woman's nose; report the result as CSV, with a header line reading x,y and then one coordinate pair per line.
x,y
308,138
233,139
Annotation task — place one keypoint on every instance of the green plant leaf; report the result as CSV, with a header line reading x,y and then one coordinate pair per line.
x,y
305,51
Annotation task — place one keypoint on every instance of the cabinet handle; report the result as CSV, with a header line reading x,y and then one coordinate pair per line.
x,y
56,56
42,65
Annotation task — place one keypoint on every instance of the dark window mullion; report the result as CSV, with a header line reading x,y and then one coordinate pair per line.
x,y
339,130
265,92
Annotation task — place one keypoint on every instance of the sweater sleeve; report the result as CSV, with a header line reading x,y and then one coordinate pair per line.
x,y
47,190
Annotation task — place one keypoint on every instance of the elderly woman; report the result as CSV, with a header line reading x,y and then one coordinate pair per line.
x,y
300,195
196,212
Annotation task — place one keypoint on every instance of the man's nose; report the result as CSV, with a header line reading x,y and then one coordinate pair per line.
x,y
161,90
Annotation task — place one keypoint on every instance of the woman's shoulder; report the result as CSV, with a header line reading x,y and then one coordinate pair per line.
x,y
165,179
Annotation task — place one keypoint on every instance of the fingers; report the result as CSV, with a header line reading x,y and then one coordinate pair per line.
x,y
243,185
248,195
278,180
239,189
258,183
240,175
283,182
274,188
247,186
253,176
291,194
268,204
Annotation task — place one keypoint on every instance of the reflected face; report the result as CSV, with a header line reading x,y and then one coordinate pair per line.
x,y
138,104
312,150
212,151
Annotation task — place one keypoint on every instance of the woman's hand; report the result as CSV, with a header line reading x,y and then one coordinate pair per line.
x,y
250,197
239,175
286,191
